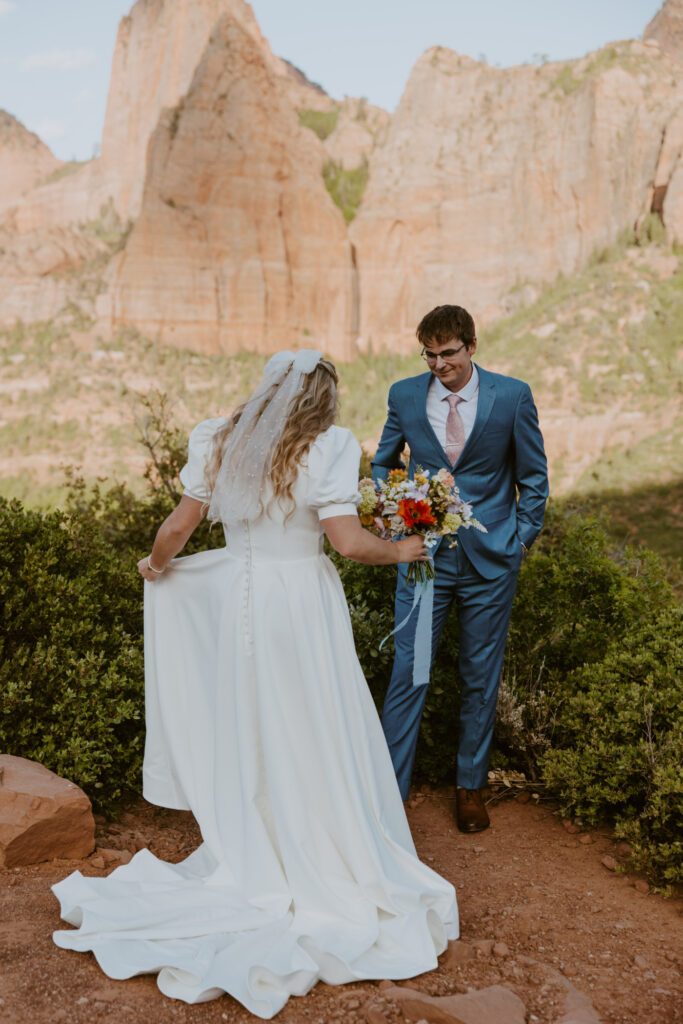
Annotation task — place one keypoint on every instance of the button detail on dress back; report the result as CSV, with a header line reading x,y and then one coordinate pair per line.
x,y
246,593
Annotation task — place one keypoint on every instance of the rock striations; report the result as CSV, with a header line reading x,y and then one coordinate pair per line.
x,y
483,181
237,245
158,47
492,178
25,161
666,29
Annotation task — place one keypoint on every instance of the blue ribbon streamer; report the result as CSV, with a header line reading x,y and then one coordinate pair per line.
x,y
423,600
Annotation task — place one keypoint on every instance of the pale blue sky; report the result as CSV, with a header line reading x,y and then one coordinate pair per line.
x,y
55,55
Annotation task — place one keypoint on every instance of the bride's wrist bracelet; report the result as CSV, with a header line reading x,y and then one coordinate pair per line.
x,y
150,566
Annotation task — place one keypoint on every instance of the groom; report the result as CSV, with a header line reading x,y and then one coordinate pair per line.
x,y
483,428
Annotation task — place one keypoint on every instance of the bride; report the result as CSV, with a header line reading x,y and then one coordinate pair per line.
x,y
260,722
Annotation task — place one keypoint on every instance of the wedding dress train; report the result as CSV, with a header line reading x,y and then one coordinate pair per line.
x,y
259,720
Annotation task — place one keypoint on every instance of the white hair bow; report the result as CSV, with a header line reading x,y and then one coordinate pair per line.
x,y
303,361
248,453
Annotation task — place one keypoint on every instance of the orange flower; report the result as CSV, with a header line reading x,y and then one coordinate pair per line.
x,y
397,476
416,513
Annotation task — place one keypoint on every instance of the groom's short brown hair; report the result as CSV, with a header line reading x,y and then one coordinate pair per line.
x,y
444,323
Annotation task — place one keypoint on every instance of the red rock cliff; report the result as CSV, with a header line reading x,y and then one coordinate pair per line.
x,y
491,178
237,245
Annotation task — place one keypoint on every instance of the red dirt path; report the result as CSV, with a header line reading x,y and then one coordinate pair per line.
x,y
527,883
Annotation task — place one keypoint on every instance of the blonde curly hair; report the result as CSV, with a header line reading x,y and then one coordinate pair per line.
x,y
312,412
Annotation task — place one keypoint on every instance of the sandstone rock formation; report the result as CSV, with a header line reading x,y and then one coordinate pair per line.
x,y
41,815
238,245
666,196
485,180
303,93
43,269
360,128
158,47
24,159
493,1005
52,233
666,29
491,178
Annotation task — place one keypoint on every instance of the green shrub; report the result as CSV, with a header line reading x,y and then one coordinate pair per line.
x,y
579,606
126,521
346,187
322,122
70,167
647,516
651,230
71,674
567,82
590,697
71,658
618,749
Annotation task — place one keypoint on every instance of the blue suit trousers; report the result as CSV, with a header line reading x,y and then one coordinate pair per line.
x,y
484,608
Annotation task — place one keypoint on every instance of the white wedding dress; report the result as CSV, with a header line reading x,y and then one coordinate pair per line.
x,y
259,721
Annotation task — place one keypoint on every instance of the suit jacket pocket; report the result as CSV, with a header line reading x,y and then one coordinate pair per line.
x,y
495,515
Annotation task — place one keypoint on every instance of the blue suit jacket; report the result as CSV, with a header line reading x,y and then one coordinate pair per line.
x,y
503,458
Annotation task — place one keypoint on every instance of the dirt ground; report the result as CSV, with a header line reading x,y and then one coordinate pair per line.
x,y
531,885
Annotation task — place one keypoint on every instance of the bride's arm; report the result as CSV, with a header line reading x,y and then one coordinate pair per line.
x,y
172,536
347,536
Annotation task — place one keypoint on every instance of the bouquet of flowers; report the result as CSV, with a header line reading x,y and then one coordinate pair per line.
x,y
430,505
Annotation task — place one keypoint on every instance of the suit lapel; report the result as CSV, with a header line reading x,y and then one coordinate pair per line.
x,y
420,399
485,401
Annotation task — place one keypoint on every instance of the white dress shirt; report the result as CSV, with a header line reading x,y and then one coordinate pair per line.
x,y
438,407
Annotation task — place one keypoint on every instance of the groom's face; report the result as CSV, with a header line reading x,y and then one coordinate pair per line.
x,y
450,361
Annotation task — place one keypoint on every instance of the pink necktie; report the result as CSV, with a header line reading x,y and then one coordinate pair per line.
x,y
455,432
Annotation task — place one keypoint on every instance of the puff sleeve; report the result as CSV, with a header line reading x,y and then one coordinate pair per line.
x,y
333,463
198,451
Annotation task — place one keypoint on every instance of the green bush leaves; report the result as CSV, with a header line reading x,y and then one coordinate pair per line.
x,y
592,686
71,674
591,694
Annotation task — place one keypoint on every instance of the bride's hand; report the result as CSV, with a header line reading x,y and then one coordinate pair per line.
x,y
146,572
412,549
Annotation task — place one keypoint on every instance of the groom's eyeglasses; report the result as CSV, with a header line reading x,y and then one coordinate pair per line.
x,y
448,355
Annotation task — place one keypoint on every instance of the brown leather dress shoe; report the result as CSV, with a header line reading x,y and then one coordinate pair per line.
x,y
470,813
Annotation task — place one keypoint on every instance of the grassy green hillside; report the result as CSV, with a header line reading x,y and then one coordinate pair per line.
x,y
600,349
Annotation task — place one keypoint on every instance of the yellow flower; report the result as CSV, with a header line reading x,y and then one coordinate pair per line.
x,y
368,500
451,522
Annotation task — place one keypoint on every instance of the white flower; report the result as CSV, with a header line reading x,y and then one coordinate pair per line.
x,y
397,525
